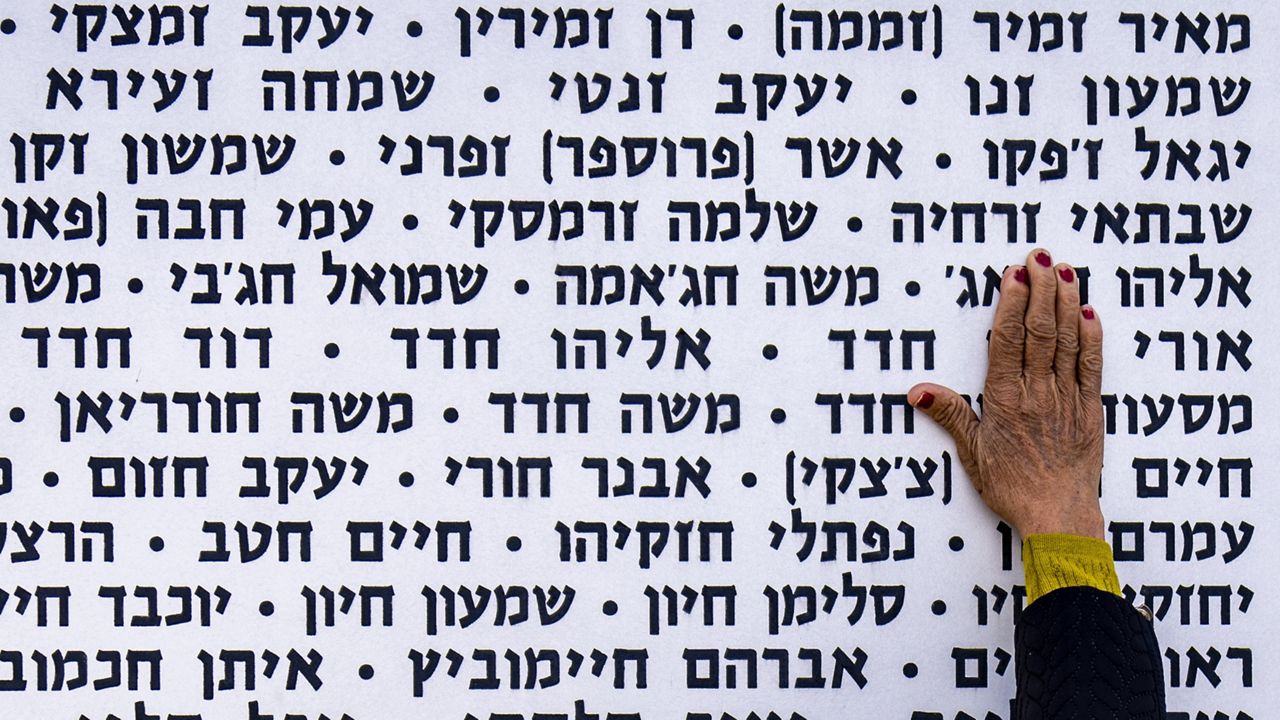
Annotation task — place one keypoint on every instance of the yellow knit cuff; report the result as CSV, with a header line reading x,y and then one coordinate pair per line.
x,y
1052,561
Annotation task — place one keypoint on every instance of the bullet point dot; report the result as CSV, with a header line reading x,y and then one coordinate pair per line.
x,y
366,672
414,28
135,286
337,157
910,670
522,286
943,160
406,479
51,479
778,415
913,288
17,414
513,543
908,97
266,608
610,607
770,352
8,26
956,543
451,415
854,224
410,222
735,32
491,94
156,544
939,607
331,350
749,479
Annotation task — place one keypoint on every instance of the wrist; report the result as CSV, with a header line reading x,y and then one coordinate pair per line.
x,y
1085,522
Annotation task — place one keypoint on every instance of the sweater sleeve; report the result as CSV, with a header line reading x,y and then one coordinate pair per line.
x,y
1052,561
1081,652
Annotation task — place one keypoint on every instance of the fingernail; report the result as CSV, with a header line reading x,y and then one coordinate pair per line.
x,y
1020,275
1066,274
1087,313
926,399
1044,259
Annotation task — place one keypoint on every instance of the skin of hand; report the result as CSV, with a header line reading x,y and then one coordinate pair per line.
x,y
1035,456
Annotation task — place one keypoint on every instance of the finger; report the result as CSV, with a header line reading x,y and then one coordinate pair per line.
x,y
1089,370
948,409
1004,351
1041,320
1068,347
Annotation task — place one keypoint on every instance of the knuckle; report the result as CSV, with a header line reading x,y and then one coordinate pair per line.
x,y
948,414
1041,327
1004,375
1040,393
1002,388
1010,331
1091,363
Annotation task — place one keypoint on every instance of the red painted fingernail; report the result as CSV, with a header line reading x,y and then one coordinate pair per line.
x,y
1087,313
926,399
1020,275
1066,274
1044,259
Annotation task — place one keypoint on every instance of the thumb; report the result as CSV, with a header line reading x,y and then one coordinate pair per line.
x,y
948,409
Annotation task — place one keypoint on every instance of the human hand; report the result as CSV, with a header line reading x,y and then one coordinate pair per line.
x,y
1035,456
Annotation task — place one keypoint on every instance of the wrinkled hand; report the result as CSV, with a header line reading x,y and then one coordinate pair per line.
x,y
1035,457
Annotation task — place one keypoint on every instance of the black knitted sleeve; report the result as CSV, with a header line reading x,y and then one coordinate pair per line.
x,y
1082,653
